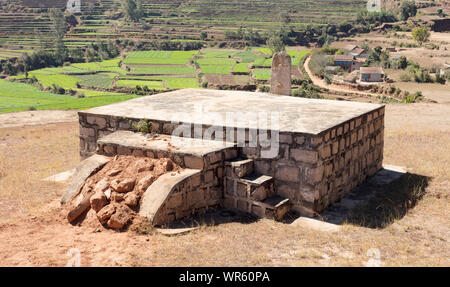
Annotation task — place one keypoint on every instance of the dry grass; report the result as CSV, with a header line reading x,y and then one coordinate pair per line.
x,y
416,136
30,154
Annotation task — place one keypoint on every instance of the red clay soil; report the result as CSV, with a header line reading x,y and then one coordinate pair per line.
x,y
111,196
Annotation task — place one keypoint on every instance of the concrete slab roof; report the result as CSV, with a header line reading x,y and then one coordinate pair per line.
x,y
214,107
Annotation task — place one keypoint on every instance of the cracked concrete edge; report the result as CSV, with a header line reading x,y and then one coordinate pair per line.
x,y
175,231
84,170
158,193
61,177
316,224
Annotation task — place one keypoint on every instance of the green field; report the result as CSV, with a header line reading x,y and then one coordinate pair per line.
x,y
156,85
241,68
162,70
216,69
64,81
99,79
261,74
180,83
160,57
16,97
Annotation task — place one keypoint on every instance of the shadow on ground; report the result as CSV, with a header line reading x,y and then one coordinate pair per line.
x,y
380,200
376,203
390,202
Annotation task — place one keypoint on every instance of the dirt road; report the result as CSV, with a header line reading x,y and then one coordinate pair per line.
x,y
333,88
31,118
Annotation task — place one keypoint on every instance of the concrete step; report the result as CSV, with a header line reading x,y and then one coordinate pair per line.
x,y
239,168
274,207
259,187
186,152
249,188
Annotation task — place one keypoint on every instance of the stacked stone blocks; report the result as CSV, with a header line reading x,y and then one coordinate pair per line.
x,y
311,170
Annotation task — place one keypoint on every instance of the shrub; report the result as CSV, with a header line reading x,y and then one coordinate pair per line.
x,y
318,63
440,79
142,126
417,96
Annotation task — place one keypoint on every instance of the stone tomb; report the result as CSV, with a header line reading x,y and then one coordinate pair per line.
x,y
279,153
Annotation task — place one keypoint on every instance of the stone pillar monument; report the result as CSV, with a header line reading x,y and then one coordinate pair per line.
x,y
280,80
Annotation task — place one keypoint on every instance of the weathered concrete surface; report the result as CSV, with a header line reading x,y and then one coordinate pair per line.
x,y
85,169
209,107
157,194
176,231
191,146
61,177
280,79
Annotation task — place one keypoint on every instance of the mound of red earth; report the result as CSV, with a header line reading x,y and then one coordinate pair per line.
x,y
115,191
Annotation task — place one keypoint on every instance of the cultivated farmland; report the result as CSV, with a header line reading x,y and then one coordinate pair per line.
x,y
151,70
20,97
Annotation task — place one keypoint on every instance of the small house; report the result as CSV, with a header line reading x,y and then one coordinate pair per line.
x,y
350,47
355,51
358,52
371,74
346,62
445,70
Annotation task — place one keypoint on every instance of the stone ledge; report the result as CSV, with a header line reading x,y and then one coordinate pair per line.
x,y
85,169
160,191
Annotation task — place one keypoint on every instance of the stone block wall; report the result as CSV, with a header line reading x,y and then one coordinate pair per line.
x,y
313,171
188,198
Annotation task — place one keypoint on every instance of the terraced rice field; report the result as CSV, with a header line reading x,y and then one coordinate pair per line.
x,y
100,80
151,84
16,97
109,78
261,74
162,70
174,20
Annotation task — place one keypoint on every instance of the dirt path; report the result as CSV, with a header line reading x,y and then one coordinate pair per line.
x,y
31,118
333,88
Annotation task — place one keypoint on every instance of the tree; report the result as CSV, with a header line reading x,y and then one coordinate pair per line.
x,y
132,9
275,43
408,9
203,35
420,34
58,30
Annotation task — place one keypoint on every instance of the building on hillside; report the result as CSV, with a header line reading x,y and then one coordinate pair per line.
x,y
346,62
350,48
355,51
371,74
445,70
358,53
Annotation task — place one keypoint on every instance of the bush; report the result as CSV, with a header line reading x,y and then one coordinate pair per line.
x,y
414,98
142,126
439,79
318,63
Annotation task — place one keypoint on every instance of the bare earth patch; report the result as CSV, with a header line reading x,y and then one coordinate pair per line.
x,y
30,118
34,231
